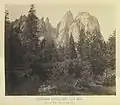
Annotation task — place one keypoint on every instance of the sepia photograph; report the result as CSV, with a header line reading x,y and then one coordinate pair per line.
x,y
57,49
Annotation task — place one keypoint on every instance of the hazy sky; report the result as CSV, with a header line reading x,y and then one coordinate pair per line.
x,y
104,13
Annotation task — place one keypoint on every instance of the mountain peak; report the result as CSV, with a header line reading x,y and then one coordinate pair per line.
x,y
68,26
82,15
86,20
47,20
63,28
69,12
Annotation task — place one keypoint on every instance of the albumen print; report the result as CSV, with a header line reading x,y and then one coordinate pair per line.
x,y
60,49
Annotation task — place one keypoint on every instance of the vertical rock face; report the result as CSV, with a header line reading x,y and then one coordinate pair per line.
x,y
74,29
83,19
89,21
44,29
50,30
68,26
63,28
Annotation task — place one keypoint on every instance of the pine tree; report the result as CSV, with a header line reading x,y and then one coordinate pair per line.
x,y
71,48
32,21
7,24
7,37
81,43
32,10
97,58
111,49
7,16
31,34
9,75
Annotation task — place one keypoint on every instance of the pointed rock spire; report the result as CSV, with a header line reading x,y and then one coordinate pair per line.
x,y
47,20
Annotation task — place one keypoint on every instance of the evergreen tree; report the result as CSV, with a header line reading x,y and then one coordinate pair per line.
x,y
91,47
71,48
7,37
32,10
49,52
32,25
111,51
31,34
7,16
81,43
97,58
12,53
15,46
7,51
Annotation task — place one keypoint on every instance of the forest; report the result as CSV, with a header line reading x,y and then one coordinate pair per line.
x,y
35,65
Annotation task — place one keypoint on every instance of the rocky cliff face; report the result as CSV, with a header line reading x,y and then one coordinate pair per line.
x,y
83,19
50,29
68,26
63,29
44,29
